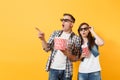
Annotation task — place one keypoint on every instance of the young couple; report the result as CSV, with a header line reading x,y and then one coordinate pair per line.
x,y
83,47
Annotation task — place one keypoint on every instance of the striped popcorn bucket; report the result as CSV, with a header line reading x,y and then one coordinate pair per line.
x,y
60,43
86,51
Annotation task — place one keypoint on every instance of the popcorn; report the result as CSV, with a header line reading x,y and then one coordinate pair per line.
x,y
86,51
60,43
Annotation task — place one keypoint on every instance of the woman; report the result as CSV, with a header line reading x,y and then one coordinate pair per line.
x,y
89,68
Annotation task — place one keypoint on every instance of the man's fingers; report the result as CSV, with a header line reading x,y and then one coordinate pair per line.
x,y
38,29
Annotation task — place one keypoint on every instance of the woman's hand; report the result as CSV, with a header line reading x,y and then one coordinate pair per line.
x,y
85,55
91,29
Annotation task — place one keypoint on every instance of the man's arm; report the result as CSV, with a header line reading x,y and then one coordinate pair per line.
x,y
41,36
69,55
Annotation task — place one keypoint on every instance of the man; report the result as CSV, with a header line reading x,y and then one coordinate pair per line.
x,y
59,64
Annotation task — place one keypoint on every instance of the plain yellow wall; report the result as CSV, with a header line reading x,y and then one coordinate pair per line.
x,y
21,54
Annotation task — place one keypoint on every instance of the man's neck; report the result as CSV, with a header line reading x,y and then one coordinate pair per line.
x,y
68,31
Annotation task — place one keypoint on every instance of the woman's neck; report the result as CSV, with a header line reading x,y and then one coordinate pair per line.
x,y
85,39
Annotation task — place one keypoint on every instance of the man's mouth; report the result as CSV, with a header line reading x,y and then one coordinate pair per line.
x,y
63,25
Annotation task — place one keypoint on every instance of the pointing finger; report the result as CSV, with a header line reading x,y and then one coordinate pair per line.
x,y
38,29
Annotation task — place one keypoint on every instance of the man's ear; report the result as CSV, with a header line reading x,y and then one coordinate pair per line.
x,y
72,25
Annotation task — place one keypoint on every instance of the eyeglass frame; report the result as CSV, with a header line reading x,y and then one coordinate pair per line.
x,y
85,29
66,20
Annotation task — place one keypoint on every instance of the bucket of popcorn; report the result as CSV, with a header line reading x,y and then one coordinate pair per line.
x,y
60,43
86,51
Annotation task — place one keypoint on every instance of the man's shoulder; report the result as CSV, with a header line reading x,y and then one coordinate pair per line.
x,y
75,35
57,31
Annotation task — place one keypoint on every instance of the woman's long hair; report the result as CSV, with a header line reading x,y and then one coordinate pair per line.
x,y
91,41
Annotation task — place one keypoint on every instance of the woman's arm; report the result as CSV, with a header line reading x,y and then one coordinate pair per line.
x,y
99,41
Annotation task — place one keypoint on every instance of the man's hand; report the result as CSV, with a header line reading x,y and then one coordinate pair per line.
x,y
41,35
69,55
66,52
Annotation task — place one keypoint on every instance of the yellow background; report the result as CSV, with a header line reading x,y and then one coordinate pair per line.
x,y
21,54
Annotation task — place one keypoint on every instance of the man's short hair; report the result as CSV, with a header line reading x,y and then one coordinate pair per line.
x,y
67,14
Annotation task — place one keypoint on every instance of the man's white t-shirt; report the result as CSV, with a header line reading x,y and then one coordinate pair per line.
x,y
59,60
90,64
